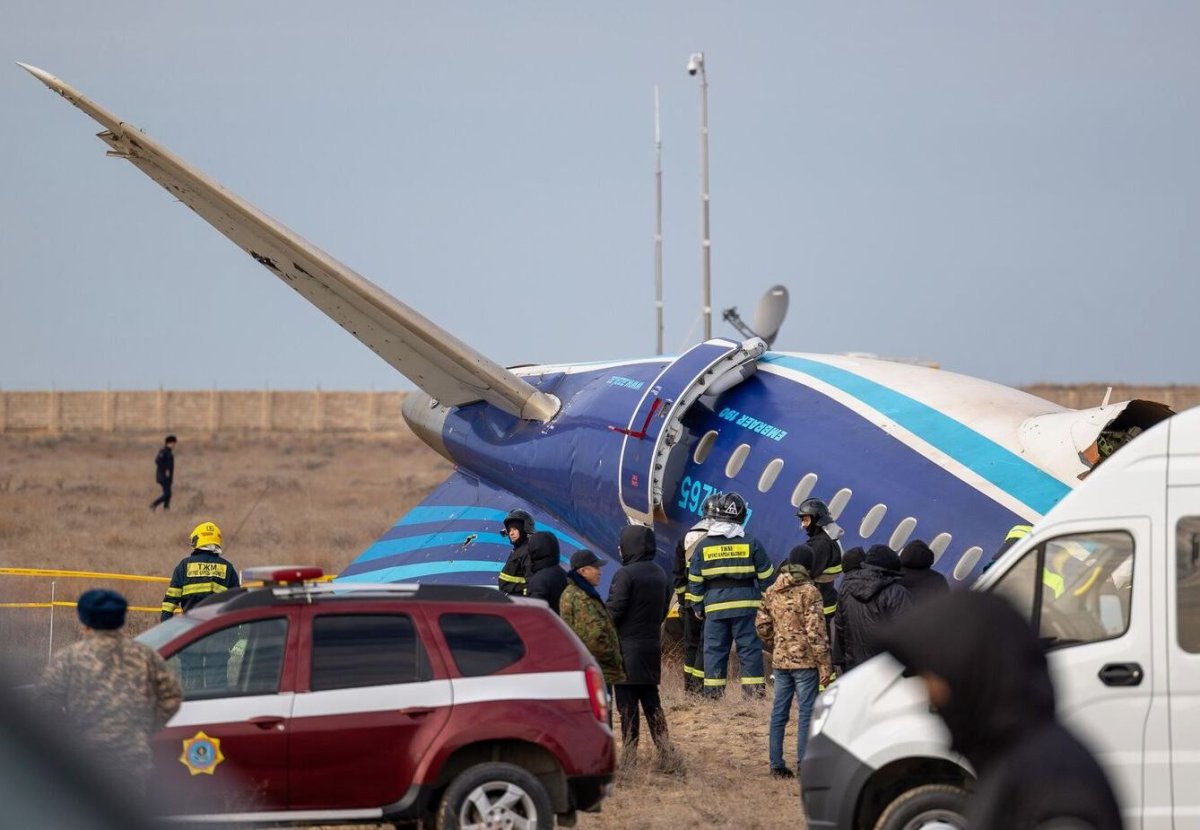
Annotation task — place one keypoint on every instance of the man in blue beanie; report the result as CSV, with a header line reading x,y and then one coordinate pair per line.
x,y
114,693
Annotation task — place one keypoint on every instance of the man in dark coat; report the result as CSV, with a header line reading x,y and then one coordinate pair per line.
x,y
998,703
638,599
869,599
917,573
164,473
546,580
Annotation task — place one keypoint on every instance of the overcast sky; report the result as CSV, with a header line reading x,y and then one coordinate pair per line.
x,y
1007,188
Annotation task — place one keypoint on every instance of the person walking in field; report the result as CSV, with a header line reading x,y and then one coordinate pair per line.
x,y
791,624
113,693
582,609
164,473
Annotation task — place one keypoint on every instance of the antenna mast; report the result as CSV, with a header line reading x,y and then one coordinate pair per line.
x,y
658,233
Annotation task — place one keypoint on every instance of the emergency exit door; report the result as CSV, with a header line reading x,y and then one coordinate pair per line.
x,y
654,426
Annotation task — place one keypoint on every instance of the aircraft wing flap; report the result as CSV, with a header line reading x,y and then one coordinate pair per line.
x,y
436,361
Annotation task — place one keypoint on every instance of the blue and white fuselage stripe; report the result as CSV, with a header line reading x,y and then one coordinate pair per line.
x,y
927,465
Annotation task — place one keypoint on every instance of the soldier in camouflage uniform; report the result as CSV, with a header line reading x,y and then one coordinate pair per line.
x,y
582,609
791,623
114,693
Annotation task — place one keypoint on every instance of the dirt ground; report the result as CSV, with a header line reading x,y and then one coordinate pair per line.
x,y
80,502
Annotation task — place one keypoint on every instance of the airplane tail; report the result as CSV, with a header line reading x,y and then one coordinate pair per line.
x,y
456,535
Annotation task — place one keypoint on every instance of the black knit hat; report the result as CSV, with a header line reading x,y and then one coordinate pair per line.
x,y
881,556
102,609
852,559
802,555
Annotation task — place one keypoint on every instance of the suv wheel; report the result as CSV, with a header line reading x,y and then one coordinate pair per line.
x,y
931,807
496,797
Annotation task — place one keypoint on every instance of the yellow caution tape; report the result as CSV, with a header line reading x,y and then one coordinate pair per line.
x,y
58,603
80,574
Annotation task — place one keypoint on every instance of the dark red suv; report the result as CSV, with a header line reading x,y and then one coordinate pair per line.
x,y
327,703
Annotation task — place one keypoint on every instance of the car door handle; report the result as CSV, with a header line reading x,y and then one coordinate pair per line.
x,y
1121,674
418,714
267,721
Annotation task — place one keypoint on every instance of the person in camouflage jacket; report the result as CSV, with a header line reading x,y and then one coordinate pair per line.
x,y
111,693
791,624
584,611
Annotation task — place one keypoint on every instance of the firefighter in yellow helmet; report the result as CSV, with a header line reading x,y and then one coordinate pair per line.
x,y
198,576
204,573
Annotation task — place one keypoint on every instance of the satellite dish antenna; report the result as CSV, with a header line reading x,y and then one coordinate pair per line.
x,y
772,308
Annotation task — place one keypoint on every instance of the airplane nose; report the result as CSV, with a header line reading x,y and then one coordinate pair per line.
x,y
426,418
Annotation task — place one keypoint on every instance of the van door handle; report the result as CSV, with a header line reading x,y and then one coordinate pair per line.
x,y
418,714
1121,674
268,722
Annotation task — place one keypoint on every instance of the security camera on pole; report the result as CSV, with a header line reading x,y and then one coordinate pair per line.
x,y
696,65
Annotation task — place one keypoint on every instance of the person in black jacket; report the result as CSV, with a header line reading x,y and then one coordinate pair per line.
x,y
547,579
870,598
164,473
917,573
638,600
986,674
852,560
518,525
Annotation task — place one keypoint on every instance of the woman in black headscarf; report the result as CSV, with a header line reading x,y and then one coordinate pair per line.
x,y
986,675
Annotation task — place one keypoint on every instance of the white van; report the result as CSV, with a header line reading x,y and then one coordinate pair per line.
x,y
1111,580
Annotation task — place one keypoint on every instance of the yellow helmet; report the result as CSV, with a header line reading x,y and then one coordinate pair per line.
x,y
206,533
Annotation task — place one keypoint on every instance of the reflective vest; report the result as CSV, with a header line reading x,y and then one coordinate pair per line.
x,y
727,576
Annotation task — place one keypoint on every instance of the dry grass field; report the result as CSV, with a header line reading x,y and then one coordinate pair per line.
x,y
80,502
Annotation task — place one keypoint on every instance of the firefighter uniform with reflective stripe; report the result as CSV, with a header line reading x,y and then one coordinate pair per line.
x,y
693,626
827,559
198,577
726,578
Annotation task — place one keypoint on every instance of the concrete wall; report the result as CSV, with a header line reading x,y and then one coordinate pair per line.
x,y
319,411
200,411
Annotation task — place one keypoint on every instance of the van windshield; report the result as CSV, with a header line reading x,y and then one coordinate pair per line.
x,y
1074,589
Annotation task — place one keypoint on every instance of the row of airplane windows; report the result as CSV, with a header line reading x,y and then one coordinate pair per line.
x,y
804,488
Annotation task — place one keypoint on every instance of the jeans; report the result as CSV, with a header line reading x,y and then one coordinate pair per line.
x,y
802,685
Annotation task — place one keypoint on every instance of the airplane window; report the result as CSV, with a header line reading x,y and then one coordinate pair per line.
x,y
968,562
737,460
902,533
804,489
704,446
939,545
767,480
839,501
871,521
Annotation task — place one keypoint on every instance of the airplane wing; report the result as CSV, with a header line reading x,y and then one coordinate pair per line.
x,y
435,360
456,535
